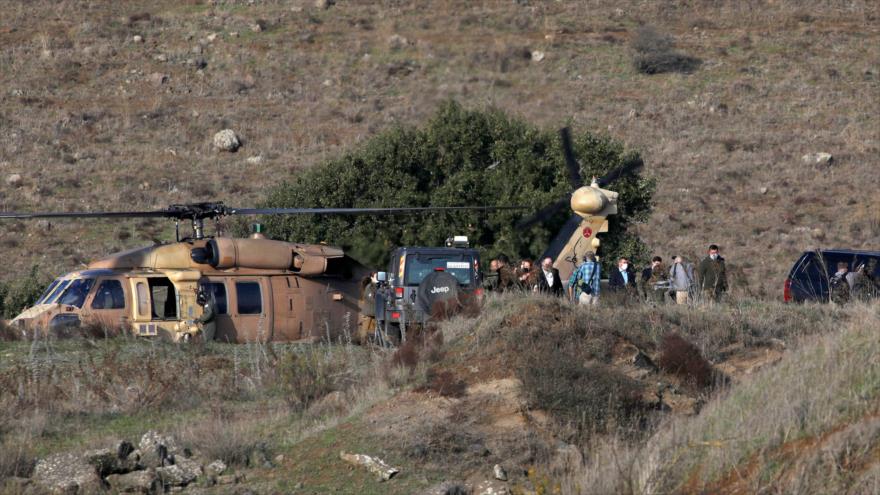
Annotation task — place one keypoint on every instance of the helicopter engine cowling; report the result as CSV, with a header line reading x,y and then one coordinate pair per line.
x,y
224,252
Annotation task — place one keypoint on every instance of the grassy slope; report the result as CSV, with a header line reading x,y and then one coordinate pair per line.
x,y
86,128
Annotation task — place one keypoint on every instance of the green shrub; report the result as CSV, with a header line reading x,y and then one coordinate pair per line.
x,y
22,293
461,157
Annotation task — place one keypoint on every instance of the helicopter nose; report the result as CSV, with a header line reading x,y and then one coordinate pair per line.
x,y
588,201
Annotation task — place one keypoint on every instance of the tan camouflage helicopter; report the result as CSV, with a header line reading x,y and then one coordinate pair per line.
x,y
591,206
263,290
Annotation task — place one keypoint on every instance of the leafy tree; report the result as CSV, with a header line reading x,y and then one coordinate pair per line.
x,y
22,293
461,157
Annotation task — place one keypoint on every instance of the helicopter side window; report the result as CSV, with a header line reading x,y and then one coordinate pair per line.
x,y
250,301
109,296
76,292
164,299
218,290
143,299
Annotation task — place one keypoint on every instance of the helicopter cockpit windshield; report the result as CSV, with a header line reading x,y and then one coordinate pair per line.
x,y
75,293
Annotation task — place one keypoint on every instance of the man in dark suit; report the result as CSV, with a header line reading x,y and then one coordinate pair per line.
x,y
623,279
548,280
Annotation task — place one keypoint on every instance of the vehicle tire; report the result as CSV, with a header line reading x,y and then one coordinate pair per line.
x,y
438,296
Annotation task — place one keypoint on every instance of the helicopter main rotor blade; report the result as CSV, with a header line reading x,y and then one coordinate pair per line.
x,y
574,168
85,214
364,211
626,169
543,214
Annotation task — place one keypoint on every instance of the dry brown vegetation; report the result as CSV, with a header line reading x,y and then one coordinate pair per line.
x,y
88,125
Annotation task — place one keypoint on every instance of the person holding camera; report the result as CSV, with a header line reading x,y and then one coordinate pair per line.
x,y
583,286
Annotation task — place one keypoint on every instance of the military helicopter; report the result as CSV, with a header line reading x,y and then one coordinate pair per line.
x,y
591,206
263,290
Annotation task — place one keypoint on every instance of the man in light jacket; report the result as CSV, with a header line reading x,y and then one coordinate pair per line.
x,y
681,279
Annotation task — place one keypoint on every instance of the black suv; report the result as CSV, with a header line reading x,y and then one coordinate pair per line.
x,y
420,278
808,279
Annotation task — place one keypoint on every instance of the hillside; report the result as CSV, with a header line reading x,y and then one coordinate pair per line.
x,y
745,398
110,105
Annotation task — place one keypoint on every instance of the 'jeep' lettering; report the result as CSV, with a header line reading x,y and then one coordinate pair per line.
x,y
439,290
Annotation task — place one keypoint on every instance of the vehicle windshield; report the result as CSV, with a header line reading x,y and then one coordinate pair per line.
x,y
59,288
47,292
76,292
420,266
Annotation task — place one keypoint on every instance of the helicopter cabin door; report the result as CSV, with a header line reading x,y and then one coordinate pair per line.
x,y
107,307
250,305
219,289
156,306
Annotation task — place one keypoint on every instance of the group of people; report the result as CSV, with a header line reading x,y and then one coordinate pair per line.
x,y
860,284
680,282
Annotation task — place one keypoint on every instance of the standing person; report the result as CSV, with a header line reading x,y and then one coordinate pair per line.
x,y
525,276
712,275
490,281
209,314
654,282
838,286
583,286
506,277
681,279
548,280
623,279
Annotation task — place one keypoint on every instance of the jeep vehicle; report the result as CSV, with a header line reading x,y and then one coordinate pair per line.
x,y
421,281
808,278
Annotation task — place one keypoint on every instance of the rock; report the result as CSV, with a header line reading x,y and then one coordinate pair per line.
x,y
156,450
396,42
499,472
491,487
373,464
183,472
254,160
227,140
818,158
137,38
158,78
66,473
447,488
537,55
324,4
763,190
215,468
145,481
257,27
44,225
279,459
211,37
14,180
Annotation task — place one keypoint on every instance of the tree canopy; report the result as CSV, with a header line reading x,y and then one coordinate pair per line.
x,y
461,157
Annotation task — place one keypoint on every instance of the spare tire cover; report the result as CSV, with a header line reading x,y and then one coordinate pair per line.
x,y
436,287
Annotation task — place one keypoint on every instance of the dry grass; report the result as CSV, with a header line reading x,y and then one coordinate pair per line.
x,y
87,129
808,425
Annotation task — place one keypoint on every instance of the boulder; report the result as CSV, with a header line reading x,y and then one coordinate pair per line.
x,y
66,473
215,468
227,140
14,180
396,42
183,472
537,55
144,481
491,487
447,488
818,158
499,472
137,38
158,78
324,4
157,450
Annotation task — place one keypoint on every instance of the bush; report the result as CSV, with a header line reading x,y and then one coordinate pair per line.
x,y
680,357
655,53
461,157
22,293
305,377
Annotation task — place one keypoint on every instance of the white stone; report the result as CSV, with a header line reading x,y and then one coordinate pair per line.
x,y
396,42
254,160
14,180
137,38
818,158
324,4
226,140
499,472
211,37
537,55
